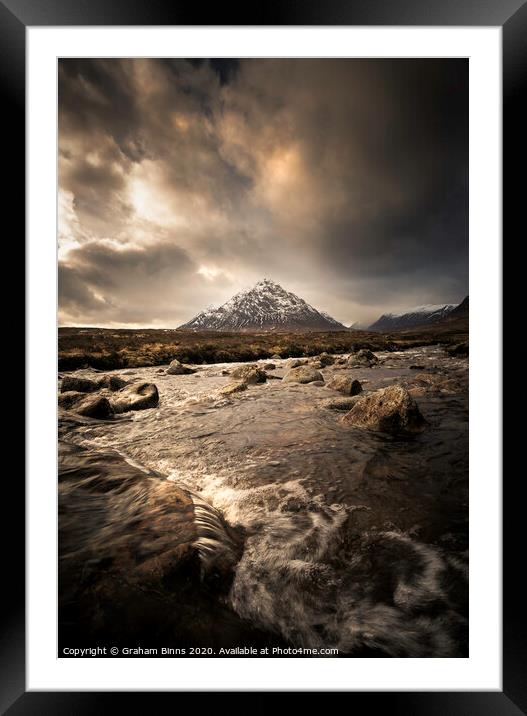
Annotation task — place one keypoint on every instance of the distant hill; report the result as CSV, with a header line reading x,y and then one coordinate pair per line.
x,y
265,307
421,315
453,328
460,311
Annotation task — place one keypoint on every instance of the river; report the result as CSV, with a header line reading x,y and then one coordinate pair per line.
x,y
353,539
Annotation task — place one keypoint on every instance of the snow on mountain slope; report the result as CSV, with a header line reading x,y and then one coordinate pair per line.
x,y
265,307
413,317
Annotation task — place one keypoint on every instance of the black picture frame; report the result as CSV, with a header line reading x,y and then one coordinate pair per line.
x,y
15,17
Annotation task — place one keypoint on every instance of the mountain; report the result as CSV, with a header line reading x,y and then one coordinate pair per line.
x,y
418,316
265,307
460,311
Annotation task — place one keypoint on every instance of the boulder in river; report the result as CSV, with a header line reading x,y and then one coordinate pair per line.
x,y
417,391
112,382
326,359
345,403
345,385
362,359
136,540
232,388
91,406
296,362
68,398
177,368
137,396
275,356
459,350
390,410
303,374
269,366
140,561
78,384
434,382
249,374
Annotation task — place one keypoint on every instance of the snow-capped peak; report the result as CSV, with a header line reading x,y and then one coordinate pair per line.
x,y
265,306
426,309
428,313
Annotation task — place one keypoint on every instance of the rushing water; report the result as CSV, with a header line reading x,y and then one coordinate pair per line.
x,y
354,539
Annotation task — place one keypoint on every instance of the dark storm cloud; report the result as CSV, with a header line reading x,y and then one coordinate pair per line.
x,y
99,278
99,96
345,180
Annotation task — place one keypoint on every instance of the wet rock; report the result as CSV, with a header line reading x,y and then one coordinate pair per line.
x,y
391,410
269,366
232,388
416,367
345,403
91,406
296,362
136,562
345,385
317,365
303,374
67,399
177,368
161,371
112,382
79,385
292,504
326,359
275,356
225,372
362,359
250,374
417,391
137,396
434,382
460,350
137,533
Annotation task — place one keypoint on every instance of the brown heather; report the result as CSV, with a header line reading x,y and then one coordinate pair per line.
x,y
108,348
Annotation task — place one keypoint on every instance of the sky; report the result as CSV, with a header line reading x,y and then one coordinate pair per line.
x,y
182,182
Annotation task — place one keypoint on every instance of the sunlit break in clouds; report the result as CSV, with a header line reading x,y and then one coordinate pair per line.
x,y
184,181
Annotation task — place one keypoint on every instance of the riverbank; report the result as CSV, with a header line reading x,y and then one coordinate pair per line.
x,y
110,349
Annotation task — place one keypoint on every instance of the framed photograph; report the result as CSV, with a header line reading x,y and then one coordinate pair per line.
x,y
259,253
